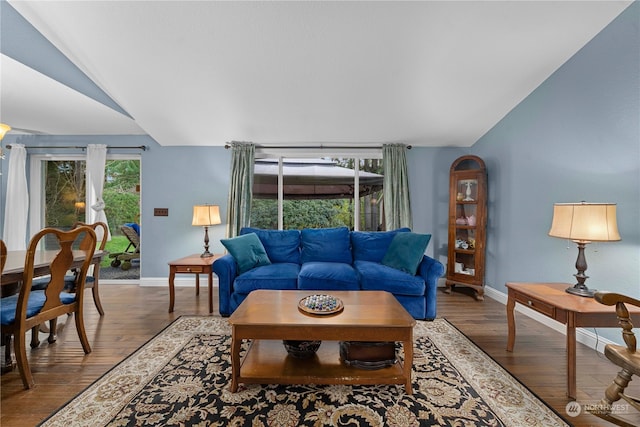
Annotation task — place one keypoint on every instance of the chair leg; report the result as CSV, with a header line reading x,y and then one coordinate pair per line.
x,y
35,339
82,334
612,394
19,348
96,297
53,328
615,390
7,364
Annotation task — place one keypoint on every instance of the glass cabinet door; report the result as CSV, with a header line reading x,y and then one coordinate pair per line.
x,y
465,226
467,212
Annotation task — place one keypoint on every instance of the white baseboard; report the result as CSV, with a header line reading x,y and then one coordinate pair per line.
x,y
181,281
584,336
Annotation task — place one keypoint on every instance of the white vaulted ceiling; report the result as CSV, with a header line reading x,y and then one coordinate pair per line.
x,y
428,73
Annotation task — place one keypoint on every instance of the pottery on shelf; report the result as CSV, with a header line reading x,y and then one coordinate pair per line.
x,y
301,349
471,220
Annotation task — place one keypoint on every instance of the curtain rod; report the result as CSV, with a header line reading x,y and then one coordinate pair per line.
x,y
82,147
319,147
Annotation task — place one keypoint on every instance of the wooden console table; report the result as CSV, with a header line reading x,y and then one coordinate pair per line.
x,y
192,264
574,311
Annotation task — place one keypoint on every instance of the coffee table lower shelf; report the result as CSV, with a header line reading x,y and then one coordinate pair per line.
x,y
267,362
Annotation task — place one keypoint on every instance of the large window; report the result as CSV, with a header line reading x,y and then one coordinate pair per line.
x,y
58,194
317,192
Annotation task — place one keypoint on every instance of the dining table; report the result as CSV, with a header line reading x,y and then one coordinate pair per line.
x,y
14,266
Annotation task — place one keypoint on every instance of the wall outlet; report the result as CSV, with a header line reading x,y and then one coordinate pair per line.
x,y
160,211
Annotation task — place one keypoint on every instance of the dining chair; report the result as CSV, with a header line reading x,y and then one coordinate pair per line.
x,y
626,357
102,232
29,308
91,282
3,255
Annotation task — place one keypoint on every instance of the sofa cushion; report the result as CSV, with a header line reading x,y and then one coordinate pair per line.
x,y
378,277
280,245
406,251
372,245
326,245
279,276
328,276
247,250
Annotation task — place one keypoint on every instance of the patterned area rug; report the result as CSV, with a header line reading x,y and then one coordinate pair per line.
x,y
181,377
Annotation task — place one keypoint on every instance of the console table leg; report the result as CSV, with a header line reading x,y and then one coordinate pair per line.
x,y
571,357
210,285
511,322
172,291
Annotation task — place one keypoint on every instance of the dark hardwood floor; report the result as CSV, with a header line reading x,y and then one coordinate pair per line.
x,y
135,314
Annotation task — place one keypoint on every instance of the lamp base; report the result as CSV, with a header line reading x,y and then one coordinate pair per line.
x,y
206,254
581,290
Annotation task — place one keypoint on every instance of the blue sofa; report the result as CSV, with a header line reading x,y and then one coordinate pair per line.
x,y
325,259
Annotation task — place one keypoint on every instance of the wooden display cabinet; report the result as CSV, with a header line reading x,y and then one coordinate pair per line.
x,y
467,224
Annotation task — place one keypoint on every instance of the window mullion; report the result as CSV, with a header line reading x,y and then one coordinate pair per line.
x,y
356,194
280,193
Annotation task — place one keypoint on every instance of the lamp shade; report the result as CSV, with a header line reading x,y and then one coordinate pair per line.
x,y
4,129
205,215
585,222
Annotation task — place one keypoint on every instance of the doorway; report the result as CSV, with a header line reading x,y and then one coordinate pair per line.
x,y
59,194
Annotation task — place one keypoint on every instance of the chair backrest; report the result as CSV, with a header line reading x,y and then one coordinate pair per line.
x,y
133,237
102,233
60,262
624,319
3,255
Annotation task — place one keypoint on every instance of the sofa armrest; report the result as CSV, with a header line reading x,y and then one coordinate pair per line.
x,y
226,270
431,270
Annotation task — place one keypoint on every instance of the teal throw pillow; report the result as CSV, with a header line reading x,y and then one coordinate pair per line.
x,y
406,251
247,250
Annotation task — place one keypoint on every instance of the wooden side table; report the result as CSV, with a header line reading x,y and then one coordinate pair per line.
x,y
192,264
574,311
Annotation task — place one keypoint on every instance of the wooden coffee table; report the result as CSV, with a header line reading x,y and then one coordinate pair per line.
x,y
267,317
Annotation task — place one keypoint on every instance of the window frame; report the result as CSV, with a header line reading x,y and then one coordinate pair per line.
x,y
355,154
36,182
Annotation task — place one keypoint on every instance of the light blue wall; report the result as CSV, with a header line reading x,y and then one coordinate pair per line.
x,y
178,178
576,137
429,188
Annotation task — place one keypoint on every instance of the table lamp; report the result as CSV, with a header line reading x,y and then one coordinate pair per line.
x,y
584,223
205,216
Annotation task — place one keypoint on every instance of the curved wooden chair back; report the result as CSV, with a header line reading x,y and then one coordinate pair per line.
x,y
35,307
101,230
102,234
3,255
624,356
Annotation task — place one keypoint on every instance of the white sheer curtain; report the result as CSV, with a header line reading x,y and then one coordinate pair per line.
x,y
16,208
96,160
